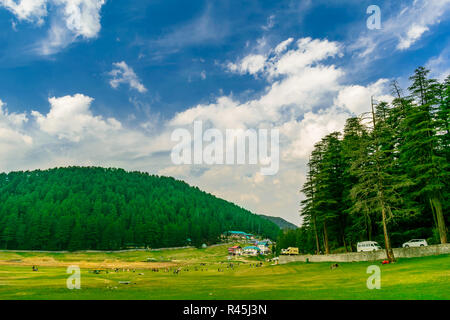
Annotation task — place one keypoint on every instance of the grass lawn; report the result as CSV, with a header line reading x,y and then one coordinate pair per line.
x,y
414,278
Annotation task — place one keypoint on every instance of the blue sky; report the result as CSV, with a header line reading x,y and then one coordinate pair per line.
x,y
127,72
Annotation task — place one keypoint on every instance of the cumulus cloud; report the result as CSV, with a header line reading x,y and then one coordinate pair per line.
x,y
11,119
281,47
14,140
123,74
70,118
304,100
70,20
82,17
29,10
357,98
306,52
311,129
298,82
70,133
251,64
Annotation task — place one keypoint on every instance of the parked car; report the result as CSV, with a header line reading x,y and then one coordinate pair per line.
x,y
415,243
367,246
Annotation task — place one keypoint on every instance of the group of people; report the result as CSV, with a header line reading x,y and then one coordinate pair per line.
x,y
256,265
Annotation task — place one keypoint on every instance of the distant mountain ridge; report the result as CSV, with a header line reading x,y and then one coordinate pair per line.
x,y
280,222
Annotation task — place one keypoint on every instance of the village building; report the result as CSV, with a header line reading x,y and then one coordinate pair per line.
x,y
251,250
235,250
264,246
238,235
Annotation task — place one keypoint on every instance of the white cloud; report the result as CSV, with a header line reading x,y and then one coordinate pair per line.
x,y
283,45
311,129
70,118
29,10
70,133
14,141
122,73
251,64
307,52
404,29
13,119
70,20
280,63
82,17
412,35
357,99
57,38
299,87
440,65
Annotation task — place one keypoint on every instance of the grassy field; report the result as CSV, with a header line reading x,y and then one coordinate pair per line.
x,y
414,278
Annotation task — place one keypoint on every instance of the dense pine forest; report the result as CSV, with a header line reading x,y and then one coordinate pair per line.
x,y
386,178
106,209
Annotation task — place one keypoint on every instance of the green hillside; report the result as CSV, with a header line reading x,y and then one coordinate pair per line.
x,y
106,209
280,222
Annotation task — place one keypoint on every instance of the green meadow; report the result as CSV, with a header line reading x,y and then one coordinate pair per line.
x,y
204,275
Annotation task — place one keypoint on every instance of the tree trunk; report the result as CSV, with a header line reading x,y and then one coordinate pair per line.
x,y
317,236
368,223
325,237
436,203
345,244
389,252
369,228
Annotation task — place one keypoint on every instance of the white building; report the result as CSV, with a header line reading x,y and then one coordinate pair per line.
x,y
251,251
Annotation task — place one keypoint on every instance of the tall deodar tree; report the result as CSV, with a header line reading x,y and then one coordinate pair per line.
x,y
422,153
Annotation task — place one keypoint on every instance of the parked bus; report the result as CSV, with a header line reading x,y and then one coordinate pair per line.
x,y
289,251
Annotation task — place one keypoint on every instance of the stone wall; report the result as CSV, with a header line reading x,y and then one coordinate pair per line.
x,y
370,256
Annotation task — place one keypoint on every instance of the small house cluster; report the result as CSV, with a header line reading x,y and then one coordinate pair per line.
x,y
238,235
258,247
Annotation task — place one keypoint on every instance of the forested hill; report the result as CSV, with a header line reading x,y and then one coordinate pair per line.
x,y
96,208
280,222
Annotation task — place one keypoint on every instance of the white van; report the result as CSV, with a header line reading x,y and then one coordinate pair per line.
x,y
367,246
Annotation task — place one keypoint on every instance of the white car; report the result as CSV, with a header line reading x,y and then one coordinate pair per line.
x,y
415,243
367,246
